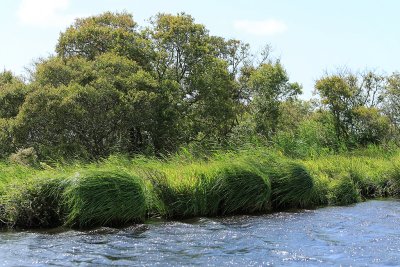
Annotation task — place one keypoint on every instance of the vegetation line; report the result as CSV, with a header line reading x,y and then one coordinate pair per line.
x,y
120,191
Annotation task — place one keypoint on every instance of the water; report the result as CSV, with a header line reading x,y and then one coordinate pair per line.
x,y
365,234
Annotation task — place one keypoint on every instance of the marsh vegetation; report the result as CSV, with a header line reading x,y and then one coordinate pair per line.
x,y
125,123
120,191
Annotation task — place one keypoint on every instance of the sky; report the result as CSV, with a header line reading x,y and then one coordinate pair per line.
x,y
310,37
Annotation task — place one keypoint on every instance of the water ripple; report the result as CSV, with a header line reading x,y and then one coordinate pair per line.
x,y
367,234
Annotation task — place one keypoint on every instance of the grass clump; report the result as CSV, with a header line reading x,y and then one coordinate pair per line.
x,y
292,186
355,178
26,157
392,184
104,198
212,188
242,190
34,203
344,191
181,200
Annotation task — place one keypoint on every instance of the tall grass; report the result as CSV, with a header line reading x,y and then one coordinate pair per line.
x,y
353,178
120,190
213,188
34,203
96,198
293,186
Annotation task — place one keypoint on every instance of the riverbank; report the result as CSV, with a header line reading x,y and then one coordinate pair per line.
x,y
121,191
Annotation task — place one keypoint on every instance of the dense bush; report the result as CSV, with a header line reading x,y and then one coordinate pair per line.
x,y
113,87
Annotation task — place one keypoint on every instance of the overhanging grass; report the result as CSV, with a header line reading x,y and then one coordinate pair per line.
x,y
104,198
212,188
34,203
344,191
351,179
120,190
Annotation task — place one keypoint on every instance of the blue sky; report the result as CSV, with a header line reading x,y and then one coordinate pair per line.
x,y
310,36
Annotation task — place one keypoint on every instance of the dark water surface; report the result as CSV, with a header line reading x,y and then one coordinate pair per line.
x,y
367,234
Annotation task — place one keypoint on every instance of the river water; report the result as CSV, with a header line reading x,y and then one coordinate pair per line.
x,y
366,234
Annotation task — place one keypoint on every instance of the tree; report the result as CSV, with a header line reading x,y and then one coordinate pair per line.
x,y
72,121
269,86
201,86
180,45
336,95
214,107
12,94
56,72
355,101
371,125
391,105
112,87
293,113
108,32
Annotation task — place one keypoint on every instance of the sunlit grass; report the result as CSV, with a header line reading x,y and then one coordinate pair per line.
x,y
121,190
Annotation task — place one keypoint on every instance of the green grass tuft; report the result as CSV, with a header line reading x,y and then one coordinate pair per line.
x,y
292,186
34,203
344,191
214,188
242,190
104,198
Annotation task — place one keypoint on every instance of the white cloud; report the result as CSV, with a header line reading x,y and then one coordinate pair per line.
x,y
44,13
261,27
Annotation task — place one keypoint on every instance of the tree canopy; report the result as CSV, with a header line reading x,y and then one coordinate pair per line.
x,y
115,87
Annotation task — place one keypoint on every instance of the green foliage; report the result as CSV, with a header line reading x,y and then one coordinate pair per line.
x,y
373,126
391,106
120,190
312,137
108,32
34,203
6,138
104,198
355,101
12,94
201,92
79,121
292,186
56,72
344,192
214,108
362,175
269,84
216,188
113,87
243,190
185,199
